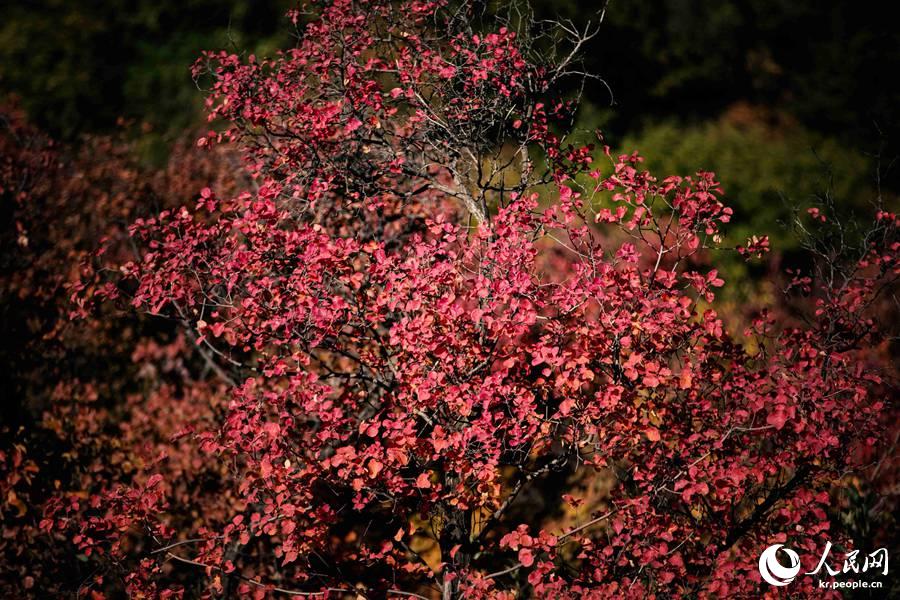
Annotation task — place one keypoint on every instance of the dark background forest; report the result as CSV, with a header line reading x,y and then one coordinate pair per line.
x,y
797,91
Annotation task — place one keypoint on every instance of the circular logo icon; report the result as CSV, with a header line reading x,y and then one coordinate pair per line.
x,y
773,571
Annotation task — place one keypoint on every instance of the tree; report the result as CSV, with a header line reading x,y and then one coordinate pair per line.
x,y
428,307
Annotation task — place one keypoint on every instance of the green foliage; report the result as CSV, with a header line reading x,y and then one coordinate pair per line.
x,y
764,170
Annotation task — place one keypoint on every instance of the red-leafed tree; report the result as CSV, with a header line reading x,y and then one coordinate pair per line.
x,y
431,317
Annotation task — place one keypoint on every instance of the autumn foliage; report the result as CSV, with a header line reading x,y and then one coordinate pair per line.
x,y
378,335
